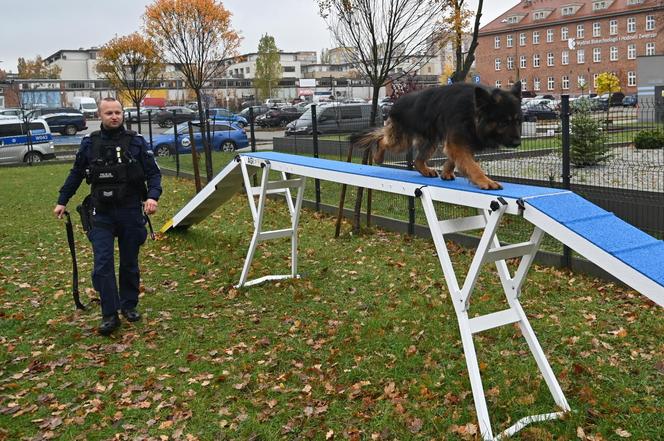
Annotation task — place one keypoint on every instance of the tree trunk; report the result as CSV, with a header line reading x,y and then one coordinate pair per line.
x,y
206,145
138,114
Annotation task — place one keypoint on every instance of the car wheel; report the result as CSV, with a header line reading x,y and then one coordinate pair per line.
x,y
162,150
32,157
167,123
228,146
69,130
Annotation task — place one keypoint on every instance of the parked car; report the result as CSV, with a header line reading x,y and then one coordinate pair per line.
x,y
278,117
166,117
334,118
12,113
14,146
222,114
616,98
66,123
258,110
225,137
86,105
593,104
42,111
131,116
630,101
539,112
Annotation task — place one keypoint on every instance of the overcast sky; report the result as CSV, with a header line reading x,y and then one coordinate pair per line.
x,y
42,27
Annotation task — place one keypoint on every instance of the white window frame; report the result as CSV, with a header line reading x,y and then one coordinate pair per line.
x,y
613,27
564,33
631,78
597,55
496,43
550,83
581,79
509,40
595,77
597,29
524,84
499,84
522,39
613,53
549,59
650,49
496,64
650,22
580,56
564,58
549,35
580,31
536,37
536,60
510,63
631,51
565,82
523,63
537,84
631,25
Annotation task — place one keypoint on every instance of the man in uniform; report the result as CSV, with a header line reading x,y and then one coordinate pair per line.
x,y
117,164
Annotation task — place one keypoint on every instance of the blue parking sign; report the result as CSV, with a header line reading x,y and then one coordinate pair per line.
x,y
476,79
449,80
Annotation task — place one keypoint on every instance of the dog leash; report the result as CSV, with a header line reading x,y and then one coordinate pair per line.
x,y
72,250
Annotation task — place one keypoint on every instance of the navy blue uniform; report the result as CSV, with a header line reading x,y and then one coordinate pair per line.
x,y
124,220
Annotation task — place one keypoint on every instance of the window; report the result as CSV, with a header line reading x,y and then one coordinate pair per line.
x,y
550,83
565,82
549,59
549,35
613,27
540,15
634,2
580,56
564,57
598,6
631,78
522,39
631,51
613,53
536,60
580,31
595,76
524,84
350,112
564,33
650,22
536,83
510,63
496,43
522,62
631,25
597,55
510,40
497,63
581,81
499,84
289,68
650,49
568,10
535,37
597,29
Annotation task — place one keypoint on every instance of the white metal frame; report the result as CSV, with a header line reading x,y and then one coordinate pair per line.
x,y
266,188
488,250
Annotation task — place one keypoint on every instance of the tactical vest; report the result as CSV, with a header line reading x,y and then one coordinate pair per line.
x,y
115,176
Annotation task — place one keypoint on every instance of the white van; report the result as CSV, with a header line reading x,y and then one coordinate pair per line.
x,y
14,145
86,105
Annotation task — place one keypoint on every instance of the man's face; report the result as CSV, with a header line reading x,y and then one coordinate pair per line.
x,y
111,114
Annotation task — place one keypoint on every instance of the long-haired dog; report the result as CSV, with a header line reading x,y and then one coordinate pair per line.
x,y
463,118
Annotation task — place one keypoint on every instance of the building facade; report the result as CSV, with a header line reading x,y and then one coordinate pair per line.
x,y
561,46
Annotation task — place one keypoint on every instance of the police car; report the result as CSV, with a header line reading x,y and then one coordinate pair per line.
x,y
15,145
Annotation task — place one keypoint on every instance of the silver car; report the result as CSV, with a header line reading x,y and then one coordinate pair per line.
x,y
15,145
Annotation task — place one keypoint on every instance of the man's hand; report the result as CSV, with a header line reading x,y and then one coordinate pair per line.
x,y
150,206
59,211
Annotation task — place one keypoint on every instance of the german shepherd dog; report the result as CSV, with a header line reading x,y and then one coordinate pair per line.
x,y
463,118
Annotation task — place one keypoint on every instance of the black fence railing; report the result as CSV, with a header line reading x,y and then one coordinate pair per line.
x,y
614,158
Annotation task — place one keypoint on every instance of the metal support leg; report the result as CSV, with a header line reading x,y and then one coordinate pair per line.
x,y
490,250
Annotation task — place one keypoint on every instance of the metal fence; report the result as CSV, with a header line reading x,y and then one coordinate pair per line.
x,y
597,153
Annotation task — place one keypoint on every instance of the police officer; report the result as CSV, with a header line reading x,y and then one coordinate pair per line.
x,y
116,163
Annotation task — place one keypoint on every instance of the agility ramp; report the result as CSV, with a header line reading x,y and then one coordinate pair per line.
x,y
622,250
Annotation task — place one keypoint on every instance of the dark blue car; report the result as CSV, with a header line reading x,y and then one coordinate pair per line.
x,y
225,137
221,114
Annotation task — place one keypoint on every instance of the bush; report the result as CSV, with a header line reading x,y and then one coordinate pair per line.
x,y
649,139
587,140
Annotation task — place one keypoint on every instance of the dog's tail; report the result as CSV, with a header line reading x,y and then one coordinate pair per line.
x,y
367,139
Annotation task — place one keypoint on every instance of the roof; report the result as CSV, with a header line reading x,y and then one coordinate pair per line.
x,y
527,8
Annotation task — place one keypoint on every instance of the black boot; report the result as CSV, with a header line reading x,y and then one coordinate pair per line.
x,y
131,314
109,324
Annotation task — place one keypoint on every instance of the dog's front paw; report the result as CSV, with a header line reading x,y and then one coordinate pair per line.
x,y
447,176
428,172
488,184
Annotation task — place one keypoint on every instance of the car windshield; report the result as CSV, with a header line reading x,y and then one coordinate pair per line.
x,y
306,115
89,105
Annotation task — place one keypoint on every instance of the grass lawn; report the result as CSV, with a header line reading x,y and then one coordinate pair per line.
x,y
364,347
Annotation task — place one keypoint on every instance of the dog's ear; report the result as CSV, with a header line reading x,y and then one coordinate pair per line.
x,y
516,90
482,98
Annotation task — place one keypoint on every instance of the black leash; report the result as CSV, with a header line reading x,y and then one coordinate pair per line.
x,y
152,235
72,250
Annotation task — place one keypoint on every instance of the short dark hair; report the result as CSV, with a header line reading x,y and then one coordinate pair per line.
x,y
110,99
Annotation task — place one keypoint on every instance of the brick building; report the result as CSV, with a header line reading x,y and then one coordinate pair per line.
x,y
560,46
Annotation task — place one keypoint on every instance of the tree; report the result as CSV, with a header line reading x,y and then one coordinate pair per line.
x,y
607,82
587,140
197,36
37,69
268,68
382,35
131,64
457,22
